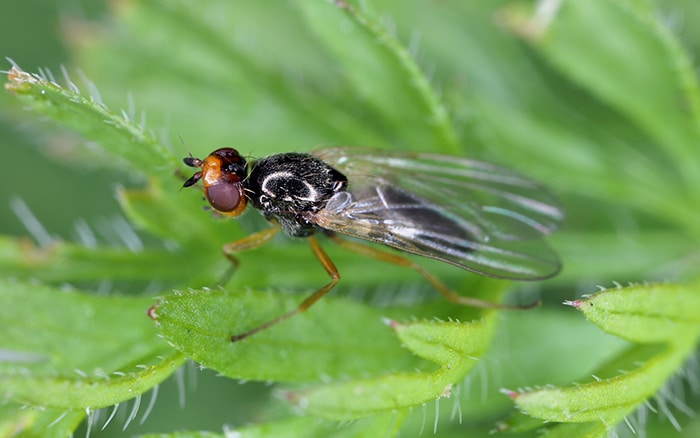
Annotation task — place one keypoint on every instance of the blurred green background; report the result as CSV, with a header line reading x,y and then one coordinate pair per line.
x,y
32,34
40,169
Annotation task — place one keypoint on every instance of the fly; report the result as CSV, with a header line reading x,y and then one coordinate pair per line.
x,y
474,215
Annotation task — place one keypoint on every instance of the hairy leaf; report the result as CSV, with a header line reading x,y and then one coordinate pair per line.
x,y
663,319
69,350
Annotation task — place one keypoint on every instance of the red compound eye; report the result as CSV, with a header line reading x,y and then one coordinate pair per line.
x,y
222,174
226,198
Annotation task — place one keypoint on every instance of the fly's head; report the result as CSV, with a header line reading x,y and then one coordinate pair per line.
x,y
222,174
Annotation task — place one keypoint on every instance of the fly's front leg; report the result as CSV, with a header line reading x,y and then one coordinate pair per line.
x,y
252,241
332,272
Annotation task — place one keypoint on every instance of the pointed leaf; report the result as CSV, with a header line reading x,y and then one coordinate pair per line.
x,y
607,400
455,346
128,143
653,313
70,350
333,338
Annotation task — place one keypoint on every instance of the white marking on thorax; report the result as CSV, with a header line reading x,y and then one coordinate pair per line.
x,y
313,193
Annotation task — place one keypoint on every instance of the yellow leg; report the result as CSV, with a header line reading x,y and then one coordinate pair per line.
x,y
439,286
252,241
332,272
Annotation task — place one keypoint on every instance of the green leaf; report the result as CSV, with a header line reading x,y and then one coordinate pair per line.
x,y
69,350
601,45
663,318
386,425
22,422
126,142
68,262
386,76
568,109
200,434
455,346
653,313
227,69
565,430
607,400
630,36
327,341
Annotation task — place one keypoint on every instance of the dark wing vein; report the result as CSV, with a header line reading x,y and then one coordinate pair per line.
x,y
478,216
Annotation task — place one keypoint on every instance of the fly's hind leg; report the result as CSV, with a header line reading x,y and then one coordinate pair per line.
x,y
252,241
332,272
439,286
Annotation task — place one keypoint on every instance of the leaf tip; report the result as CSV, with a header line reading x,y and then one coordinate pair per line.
x,y
151,312
17,78
582,304
510,393
390,323
576,304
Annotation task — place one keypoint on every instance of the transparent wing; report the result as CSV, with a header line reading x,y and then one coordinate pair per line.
x,y
475,215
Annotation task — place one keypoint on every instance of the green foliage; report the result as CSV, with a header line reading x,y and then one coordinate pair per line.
x,y
67,350
597,99
662,320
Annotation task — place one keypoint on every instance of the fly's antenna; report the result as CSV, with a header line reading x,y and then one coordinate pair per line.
x,y
191,161
250,157
184,145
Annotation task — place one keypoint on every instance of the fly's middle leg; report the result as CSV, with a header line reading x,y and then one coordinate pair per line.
x,y
332,272
252,241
